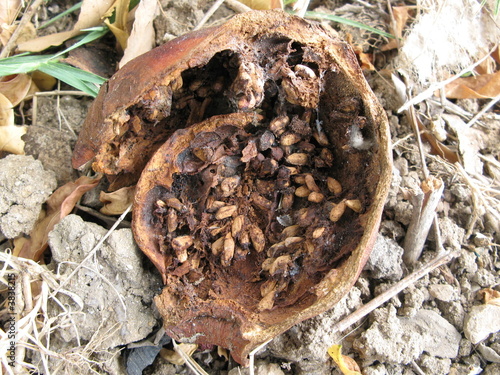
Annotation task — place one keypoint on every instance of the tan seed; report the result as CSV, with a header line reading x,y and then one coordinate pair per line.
x,y
175,204
267,302
237,225
337,211
213,206
302,191
261,202
318,232
180,245
355,205
311,184
288,139
266,264
228,250
257,238
293,240
244,239
172,220
298,158
278,125
287,202
225,212
160,203
321,138
267,286
293,170
310,247
333,185
218,246
300,179
280,264
290,231
315,197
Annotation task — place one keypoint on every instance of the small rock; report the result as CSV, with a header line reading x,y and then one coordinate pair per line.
x,y
467,261
481,321
492,369
484,278
261,368
115,290
391,339
434,366
488,353
24,186
385,259
442,292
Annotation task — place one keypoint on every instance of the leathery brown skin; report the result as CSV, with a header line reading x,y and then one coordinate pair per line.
x,y
228,314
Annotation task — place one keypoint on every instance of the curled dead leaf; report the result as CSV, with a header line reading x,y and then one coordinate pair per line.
x,y
476,87
116,202
10,134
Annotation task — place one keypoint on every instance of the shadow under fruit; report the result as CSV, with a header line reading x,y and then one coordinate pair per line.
x,y
262,164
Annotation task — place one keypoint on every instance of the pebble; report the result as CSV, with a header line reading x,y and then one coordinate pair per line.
x,y
442,292
481,321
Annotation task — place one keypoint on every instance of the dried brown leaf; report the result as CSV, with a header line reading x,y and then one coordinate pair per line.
x,y
9,9
119,26
346,364
91,15
491,296
116,202
401,16
10,134
142,37
17,87
480,87
28,32
59,205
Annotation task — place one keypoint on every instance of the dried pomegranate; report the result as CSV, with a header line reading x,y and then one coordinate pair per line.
x,y
263,163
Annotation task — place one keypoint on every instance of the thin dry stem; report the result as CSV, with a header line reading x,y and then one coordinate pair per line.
x,y
392,291
17,33
209,14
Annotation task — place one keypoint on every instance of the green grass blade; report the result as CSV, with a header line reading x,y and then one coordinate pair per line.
x,y
79,79
24,63
61,15
93,34
318,15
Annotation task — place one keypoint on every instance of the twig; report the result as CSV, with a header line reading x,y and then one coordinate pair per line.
x,y
209,14
439,85
190,362
392,291
424,203
17,33
237,6
483,110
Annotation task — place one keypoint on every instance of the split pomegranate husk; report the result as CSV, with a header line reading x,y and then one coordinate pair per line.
x,y
262,164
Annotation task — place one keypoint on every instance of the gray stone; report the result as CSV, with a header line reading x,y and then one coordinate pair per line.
x,y
385,259
391,339
114,292
24,187
434,366
443,292
481,321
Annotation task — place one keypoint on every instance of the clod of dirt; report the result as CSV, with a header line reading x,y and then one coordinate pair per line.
x,y
262,165
392,339
385,259
114,289
481,321
24,187
443,292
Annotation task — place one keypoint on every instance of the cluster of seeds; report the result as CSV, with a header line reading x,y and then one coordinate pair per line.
x,y
262,194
